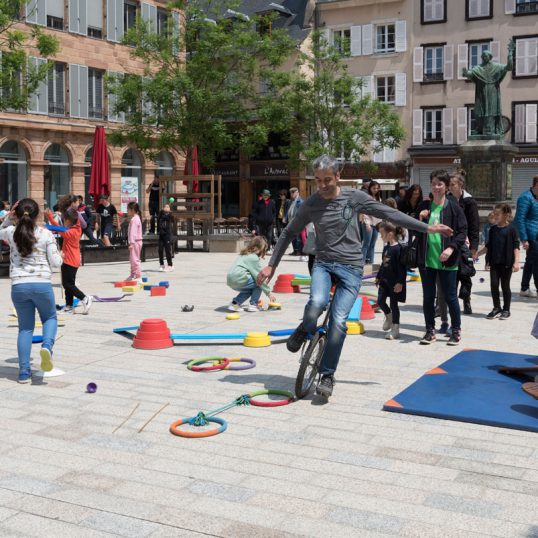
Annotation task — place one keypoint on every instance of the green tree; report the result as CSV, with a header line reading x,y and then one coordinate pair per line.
x,y
201,80
19,78
321,108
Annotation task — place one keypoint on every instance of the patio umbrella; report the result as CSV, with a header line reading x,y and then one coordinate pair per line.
x,y
192,158
99,177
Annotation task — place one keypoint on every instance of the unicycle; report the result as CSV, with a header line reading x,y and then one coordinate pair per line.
x,y
311,354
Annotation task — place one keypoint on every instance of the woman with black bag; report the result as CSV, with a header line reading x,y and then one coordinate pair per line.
x,y
439,257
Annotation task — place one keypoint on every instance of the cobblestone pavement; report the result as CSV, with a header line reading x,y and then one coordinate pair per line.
x,y
72,465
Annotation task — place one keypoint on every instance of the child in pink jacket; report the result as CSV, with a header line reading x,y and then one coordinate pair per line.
x,y
135,239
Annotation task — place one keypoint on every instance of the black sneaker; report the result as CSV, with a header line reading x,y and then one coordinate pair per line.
x,y
505,314
455,338
326,385
444,328
429,337
467,310
295,341
495,313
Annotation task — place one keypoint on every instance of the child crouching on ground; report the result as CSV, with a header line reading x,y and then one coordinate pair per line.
x,y
71,263
391,278
242,276
502,256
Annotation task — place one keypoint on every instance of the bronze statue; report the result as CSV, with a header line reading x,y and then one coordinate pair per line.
x,y
487,78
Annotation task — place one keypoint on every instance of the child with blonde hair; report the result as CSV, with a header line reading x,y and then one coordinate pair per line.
x,y
243,273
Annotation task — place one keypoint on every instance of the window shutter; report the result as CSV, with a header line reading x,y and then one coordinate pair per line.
x,y
474,8
114,20
530,124
39,100
401,94
527,56
55,8
461,123
83,96
438,10
98,102
368,86
418,64
448,62
367,39
401,36
36,12
175,31
532,56
484,8
463,59
112,100
417,127
356,40
521,49
509,6
448,127
74,91
149,15
78,17
519,131
428,10
94,16
495,49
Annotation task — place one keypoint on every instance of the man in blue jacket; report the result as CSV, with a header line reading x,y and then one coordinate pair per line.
x,y
527,226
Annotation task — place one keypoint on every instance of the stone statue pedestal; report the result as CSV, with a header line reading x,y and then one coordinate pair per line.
x,y
488,164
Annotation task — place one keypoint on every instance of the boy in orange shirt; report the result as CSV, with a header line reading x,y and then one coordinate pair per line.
x,y
71,263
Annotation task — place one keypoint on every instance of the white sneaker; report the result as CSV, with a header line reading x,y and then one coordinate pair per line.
x,y
394,333
252,308
528,293
304,258
86,304
234,307
170,269
387,324
161,268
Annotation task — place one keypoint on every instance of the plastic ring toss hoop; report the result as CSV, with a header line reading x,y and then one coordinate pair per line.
x,y
248,364
272,403
219,363
174,427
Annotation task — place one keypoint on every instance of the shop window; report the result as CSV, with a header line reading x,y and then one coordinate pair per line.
x,y
13,171
57,174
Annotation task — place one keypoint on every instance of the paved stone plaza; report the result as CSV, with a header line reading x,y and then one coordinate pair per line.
x,y
72,465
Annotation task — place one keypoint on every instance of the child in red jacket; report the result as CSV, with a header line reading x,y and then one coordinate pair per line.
x,y
71,263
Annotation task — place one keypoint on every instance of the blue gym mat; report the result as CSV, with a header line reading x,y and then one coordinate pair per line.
x,y
468,388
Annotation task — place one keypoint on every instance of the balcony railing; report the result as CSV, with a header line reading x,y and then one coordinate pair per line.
x,y
58,109
95,112
431,77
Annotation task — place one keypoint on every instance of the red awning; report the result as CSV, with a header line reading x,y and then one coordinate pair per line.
x,y
99,176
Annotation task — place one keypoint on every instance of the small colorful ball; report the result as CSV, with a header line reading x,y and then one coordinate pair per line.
x,y
171,199
91,388
482,280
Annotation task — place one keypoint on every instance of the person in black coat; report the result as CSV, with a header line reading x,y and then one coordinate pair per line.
x,y
282,207
411,201
470,210
165,229
439,256
263,216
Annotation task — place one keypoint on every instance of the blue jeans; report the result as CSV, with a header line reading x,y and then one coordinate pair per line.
x,y
347,287
26,298
250,289
448,281
369,239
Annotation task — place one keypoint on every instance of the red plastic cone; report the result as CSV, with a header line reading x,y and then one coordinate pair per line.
x,y
153,334
367,312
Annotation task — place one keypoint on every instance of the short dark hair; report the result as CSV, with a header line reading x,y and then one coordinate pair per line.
x,y
441,175
71,215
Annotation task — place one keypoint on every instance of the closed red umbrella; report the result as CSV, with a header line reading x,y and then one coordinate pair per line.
x,y
195,170
99,176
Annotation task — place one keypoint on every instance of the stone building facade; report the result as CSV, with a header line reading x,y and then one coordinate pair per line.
x,y
46,152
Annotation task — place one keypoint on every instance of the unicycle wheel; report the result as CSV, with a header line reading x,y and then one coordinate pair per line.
x,y
310,361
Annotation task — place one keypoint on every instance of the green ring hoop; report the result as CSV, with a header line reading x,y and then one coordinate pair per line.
x,y
290,397
222,364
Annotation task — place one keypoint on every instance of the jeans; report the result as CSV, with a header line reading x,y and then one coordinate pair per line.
x,y
530,269
347,287
26,298
69,275
250,289
369,239
449,286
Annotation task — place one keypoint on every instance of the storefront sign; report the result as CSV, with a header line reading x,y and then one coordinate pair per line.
x,y
525,160
269,170
226,172
129,192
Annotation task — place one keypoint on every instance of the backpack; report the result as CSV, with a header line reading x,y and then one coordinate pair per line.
x,y
408,253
